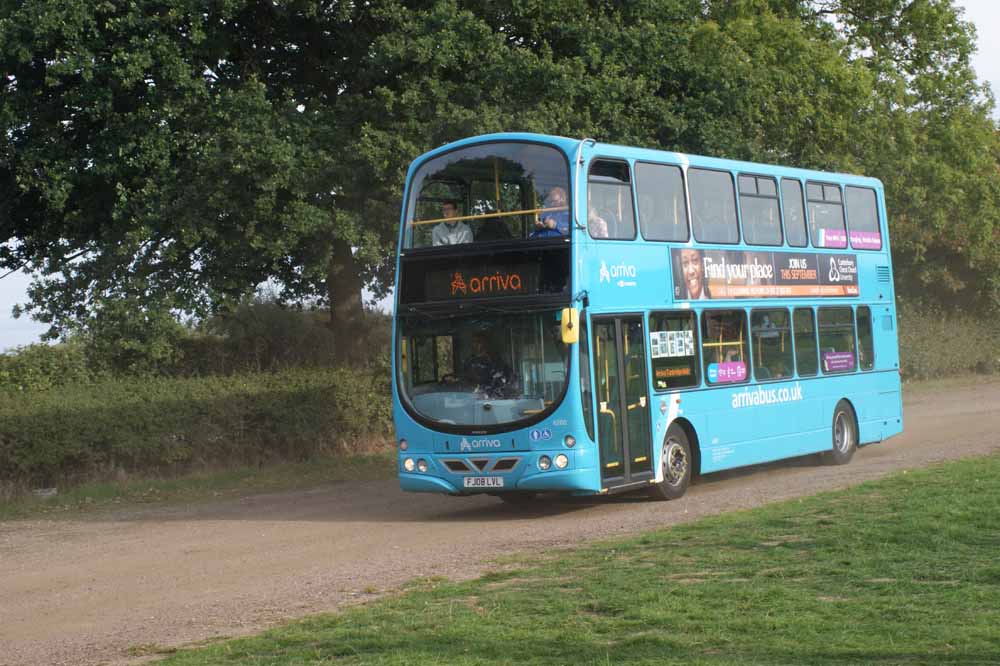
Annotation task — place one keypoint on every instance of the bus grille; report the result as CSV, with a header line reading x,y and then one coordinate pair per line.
x,y
882,274
505,464
457,466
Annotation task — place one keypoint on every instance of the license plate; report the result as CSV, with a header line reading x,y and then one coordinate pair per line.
x,y
483,481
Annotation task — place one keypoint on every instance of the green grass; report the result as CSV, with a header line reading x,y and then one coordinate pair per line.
x,y
203,486
905,570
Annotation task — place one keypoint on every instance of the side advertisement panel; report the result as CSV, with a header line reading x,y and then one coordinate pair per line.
x,y
723,274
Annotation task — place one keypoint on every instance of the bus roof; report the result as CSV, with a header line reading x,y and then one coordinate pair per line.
x,y
569,147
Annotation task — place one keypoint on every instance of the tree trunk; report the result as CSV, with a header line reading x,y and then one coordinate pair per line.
x,y
343,285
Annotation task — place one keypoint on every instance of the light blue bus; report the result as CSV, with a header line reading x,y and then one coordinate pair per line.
x,y
590,318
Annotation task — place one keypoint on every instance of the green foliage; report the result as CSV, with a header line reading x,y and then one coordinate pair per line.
x,y
265,336
44,367
156,425
173,157
938,342
123,337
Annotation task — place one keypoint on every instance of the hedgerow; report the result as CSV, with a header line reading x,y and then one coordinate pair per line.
x,y
934,342
159,425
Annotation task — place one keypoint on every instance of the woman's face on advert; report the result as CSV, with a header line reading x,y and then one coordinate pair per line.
x,y
693,271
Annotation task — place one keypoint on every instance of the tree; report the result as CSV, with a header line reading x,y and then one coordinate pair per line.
x,y
163,154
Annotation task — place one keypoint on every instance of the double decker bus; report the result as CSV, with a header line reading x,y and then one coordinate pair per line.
x,y
590,318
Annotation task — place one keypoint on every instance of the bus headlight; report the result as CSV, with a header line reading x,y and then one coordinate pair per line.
x,y
544,463
561,461
421,465
408,464
569,441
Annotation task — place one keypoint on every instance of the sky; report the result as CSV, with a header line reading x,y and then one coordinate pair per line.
x,y
984,13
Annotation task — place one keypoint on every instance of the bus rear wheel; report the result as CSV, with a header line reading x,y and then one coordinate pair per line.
x,y
845,435
675,463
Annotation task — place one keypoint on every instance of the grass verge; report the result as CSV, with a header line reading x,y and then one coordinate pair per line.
x,y
204,486
899,571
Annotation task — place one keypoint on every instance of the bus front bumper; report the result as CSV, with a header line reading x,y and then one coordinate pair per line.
x,y
424,483
553,480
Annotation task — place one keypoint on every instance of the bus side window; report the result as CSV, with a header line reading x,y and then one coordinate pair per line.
x,y
836,340
866,348
805,342
724,349
795,216
713,206
759,210
662,208
609,201
772,344
673,350
862,219
826,215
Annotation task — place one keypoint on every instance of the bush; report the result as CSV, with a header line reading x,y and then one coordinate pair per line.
x,y
934,342
43,367
170,425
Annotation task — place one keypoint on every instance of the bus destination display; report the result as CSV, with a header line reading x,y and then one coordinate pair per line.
x,y
469,282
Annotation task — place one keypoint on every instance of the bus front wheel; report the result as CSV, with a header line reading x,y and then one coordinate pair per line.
x,y
845,435
675,463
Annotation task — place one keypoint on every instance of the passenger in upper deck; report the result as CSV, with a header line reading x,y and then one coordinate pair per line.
x,y
451,233
553,223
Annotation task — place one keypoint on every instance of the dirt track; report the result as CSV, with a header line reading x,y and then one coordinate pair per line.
x,y
85,591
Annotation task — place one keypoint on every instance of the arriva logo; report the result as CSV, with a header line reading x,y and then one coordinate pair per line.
x,y
605,275
617,272
475,444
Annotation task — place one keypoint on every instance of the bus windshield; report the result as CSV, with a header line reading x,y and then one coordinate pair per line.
x,y
489,192
482,370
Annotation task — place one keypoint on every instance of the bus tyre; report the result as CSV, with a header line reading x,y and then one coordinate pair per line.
x,y
675,463
845,435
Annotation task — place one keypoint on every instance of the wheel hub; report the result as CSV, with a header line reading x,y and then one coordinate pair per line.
x,y
675,462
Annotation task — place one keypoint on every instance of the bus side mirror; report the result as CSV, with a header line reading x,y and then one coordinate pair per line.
x,y
570,323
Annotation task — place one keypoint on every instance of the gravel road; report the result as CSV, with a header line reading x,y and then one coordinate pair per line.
x,y
87,590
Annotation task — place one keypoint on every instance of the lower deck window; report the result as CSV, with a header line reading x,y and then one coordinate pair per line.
x,y
836,340
772,344
866,349
805,342
673,350
724,349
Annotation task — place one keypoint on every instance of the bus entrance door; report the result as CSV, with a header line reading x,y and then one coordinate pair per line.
x,y
623,431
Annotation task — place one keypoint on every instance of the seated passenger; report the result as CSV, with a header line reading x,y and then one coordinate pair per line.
x,y
598,225
553,223
451,233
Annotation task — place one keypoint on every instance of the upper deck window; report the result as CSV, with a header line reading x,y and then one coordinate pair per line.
x,y
862,219
826,215
662,206
609,201
795,214
713,206
489,192
759,208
